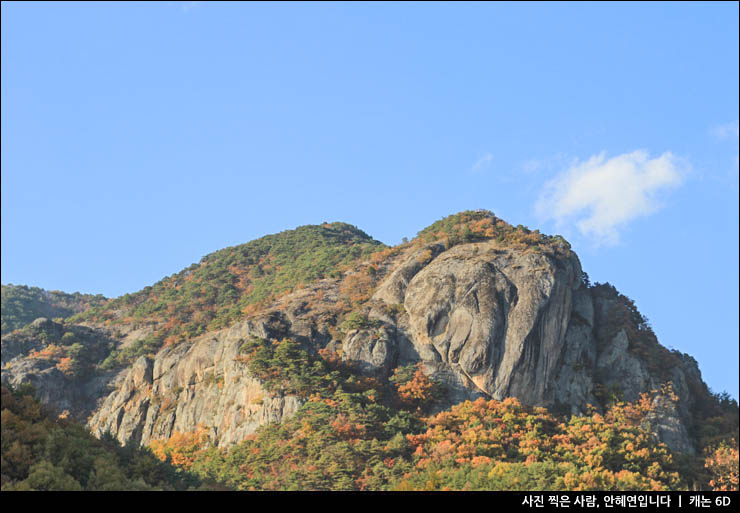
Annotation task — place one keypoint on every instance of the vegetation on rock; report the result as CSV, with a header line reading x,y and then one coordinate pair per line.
x,y
477,225
21,305
76,351
232,283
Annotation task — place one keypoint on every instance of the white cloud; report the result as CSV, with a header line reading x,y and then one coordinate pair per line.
x,y
483,162
601,196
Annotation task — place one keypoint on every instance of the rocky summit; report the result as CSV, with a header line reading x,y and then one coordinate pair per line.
x,y
484,309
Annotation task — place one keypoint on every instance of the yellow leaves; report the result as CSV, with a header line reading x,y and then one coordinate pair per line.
x,y
654,470
305,431
470,435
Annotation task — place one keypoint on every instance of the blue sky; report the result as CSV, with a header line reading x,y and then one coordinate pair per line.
x,y
137,138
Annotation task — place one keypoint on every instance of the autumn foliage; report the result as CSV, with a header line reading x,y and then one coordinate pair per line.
x,y
49,453
723,464
348,441
478,225
502,445
414,388
181,449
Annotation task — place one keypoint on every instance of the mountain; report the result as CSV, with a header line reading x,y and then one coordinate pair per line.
x,y
325,338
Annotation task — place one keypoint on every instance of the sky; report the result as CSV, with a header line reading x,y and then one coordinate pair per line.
x,y
139,137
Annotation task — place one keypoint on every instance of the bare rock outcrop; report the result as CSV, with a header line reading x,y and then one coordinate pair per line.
x,y
496,318
374,350
192,386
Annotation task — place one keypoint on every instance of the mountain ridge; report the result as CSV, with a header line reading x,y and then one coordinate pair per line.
x,y
482,308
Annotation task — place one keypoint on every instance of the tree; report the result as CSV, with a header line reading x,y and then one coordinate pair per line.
x,y
723,465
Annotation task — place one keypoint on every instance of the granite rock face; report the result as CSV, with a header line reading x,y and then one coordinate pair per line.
x,y
374,350
186,387
498,320
492,321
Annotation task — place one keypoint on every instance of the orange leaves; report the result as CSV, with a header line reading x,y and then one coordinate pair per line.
x,y
170,323
380,256
66,365
482,227
347,430
723,465
181,448
596,452
593,460
332,358
358,287
252,309
480,460
50,352
418,390
171,340
443,448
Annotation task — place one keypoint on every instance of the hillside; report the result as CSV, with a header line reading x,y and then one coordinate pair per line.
x,y
21,305
227,285
475,356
